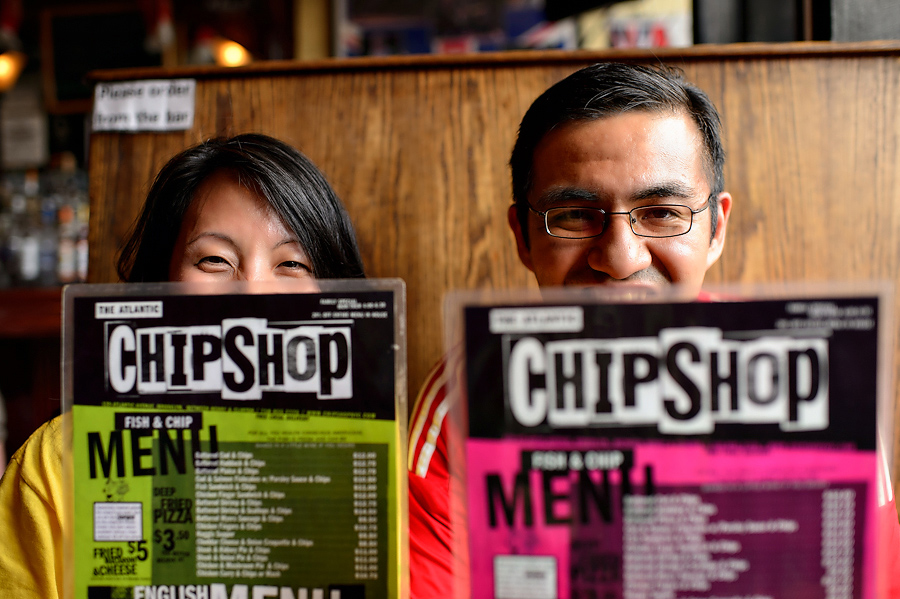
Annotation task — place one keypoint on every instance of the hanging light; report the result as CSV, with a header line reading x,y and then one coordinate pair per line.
x,y
12,59
11,65
230,54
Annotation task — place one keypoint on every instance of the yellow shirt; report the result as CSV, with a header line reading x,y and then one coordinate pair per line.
x,y
32,518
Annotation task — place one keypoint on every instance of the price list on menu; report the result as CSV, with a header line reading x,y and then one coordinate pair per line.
x,y
365,510
277,511
838,547
702,542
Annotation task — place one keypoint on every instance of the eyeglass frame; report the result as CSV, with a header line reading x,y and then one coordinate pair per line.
x,y
630,220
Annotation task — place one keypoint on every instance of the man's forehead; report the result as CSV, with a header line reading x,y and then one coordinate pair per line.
x,y
622,153
637,120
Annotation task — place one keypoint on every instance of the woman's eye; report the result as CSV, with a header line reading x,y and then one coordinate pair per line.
x,y
212,261
294,265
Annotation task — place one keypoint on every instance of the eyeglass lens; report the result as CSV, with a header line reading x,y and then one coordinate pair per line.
x,y
647,221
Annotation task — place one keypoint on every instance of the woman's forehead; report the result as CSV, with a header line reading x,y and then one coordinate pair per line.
x,y
221,200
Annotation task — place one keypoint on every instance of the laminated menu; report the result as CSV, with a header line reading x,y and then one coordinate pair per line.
x,y
671,450
229,445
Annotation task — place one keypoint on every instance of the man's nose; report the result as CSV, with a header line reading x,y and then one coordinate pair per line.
x,y
618,252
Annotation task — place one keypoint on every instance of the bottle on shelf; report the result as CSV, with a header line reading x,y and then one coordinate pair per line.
x,y
49,243
6,275
30,246
67,259
43,226
81,245
24,246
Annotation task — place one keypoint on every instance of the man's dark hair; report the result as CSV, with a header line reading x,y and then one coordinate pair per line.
x,y
608,89
277,172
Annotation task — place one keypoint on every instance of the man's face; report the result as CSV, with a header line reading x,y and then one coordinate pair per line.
x,y
618,163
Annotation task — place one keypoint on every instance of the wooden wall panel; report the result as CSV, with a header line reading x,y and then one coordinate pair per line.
x,y
417,149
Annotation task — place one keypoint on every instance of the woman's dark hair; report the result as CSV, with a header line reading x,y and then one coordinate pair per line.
x,y
608,89
277,172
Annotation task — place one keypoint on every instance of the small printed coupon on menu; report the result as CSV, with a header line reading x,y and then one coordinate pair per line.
x,y
672,450
231,445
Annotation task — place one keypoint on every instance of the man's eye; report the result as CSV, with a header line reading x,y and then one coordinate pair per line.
x,y
573,217
661,213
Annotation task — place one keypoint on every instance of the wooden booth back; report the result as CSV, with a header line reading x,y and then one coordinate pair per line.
x,y
417,148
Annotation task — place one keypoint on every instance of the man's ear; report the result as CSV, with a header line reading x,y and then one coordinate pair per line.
x,y
717,244
512,216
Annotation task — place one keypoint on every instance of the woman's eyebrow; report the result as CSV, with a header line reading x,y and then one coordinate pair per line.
x,y
213,234
288,241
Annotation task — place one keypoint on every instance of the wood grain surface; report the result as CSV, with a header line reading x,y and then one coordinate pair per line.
x,y
418,151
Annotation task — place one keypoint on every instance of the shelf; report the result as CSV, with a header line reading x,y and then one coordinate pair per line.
x,y
30,313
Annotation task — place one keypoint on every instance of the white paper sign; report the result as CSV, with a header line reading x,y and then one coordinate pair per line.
x,y
118,521
525,577
563,319
151,105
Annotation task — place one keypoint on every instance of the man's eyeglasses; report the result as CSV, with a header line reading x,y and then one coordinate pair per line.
x,y
581,222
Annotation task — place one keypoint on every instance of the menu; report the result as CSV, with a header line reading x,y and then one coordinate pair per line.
x,y
672,450
228,444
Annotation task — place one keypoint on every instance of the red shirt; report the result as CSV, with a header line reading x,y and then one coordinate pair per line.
x,y
431,555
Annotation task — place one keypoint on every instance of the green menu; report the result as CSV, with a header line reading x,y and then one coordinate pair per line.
x,y
232,445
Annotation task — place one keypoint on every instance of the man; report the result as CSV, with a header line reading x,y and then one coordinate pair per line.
x,y
615,138
618,181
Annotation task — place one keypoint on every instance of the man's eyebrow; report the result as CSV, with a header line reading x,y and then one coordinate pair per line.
x,y
561,195
666,190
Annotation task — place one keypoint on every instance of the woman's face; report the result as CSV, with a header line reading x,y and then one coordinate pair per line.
x,y
229,233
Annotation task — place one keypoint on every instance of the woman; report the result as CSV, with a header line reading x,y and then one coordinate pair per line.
x,y
285,185
249,208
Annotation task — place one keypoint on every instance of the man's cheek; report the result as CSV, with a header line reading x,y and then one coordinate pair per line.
x,y
685,263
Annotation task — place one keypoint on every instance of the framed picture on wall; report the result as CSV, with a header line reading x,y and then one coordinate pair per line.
x,y
79,39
